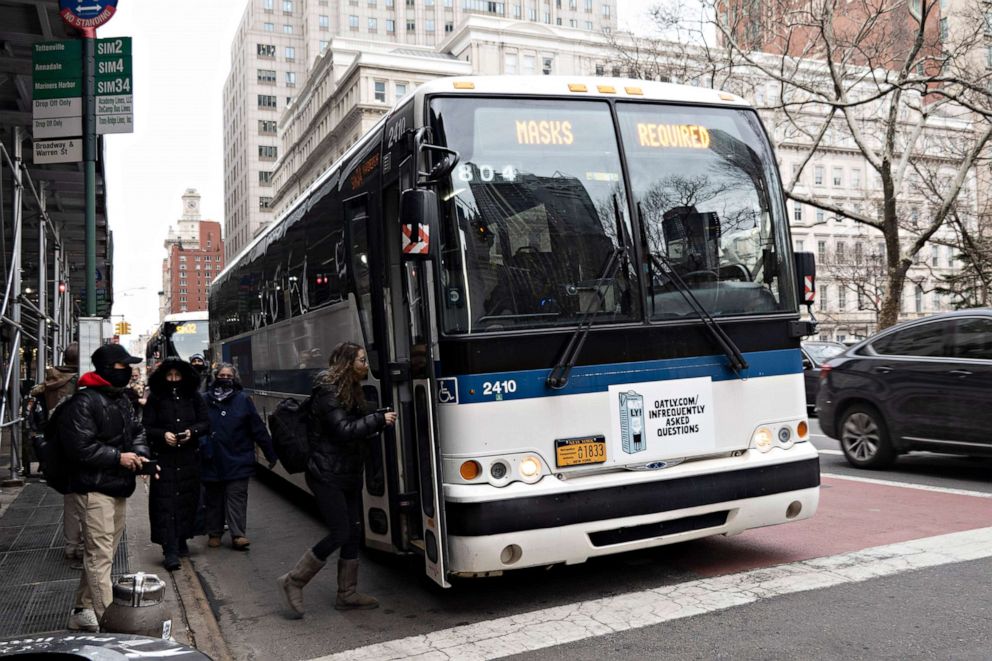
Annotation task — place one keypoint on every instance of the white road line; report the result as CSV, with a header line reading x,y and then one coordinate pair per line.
x,y
908,485
588,619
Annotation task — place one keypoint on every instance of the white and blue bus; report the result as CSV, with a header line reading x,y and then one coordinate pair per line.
x,y
581,298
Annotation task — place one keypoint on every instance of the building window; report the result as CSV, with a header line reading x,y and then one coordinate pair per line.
x,y
411,26
290,79
400,90
855,178
547,63
528,63
267,127
267,5
269,27
510,63
820,217
838,177
429,25
821,251
290,54
818,175
823,294
841,298
606,11
268,152
267,101
919,298
797,212
267,76
841,252
373,25
287,28
266,50
323,45
800,244
287,7
380,91
943,35
324,22
390,25
449,27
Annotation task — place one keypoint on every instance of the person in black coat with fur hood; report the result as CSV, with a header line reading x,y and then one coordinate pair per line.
x,y
175,418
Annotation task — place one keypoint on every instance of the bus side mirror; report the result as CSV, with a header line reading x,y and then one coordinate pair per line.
x,y
418,220
169,329
806,277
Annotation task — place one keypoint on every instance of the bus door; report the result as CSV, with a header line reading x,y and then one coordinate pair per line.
x,y
366,271
419,338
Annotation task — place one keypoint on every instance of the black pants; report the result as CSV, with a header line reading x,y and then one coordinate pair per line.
x,y
342,512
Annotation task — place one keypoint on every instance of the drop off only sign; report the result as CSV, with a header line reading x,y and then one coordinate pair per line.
x,y
58,90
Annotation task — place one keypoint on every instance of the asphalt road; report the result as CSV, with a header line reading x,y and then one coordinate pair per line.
x,y
848,583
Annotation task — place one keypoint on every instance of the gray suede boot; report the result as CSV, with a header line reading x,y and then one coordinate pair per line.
x,y
291,584
348,598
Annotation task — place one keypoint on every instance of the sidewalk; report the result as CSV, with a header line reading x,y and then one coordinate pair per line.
x,y
37,584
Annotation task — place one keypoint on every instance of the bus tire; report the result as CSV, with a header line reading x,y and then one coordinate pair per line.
x,y
864,438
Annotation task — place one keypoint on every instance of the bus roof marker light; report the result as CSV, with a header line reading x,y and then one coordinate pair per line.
x,y
727,97
635,91
577,87
606,89
463,85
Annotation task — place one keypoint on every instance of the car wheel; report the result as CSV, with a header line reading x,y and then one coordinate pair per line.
x,y
865,439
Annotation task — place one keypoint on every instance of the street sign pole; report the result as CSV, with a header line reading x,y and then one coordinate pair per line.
x,y
89,157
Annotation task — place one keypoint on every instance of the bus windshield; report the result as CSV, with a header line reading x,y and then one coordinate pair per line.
x,y
535,213
709,207
191,337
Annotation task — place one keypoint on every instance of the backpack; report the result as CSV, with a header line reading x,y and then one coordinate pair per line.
x,y
289,425
51,456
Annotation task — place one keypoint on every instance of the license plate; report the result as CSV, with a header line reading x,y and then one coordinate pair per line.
x,y
579,451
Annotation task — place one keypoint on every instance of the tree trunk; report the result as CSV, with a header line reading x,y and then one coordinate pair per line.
x,y
892,300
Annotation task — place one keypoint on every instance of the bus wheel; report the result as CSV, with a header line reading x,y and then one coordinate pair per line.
x,y
864,438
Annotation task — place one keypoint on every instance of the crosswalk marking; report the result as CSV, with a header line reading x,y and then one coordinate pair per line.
x,y
588,619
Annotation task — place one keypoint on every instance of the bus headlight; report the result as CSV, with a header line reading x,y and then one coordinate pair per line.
x,y
529,467
762,439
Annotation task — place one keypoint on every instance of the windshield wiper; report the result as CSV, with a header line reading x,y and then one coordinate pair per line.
x,y
558,378
737,361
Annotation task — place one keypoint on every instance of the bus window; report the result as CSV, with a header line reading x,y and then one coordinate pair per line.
x,y
356,214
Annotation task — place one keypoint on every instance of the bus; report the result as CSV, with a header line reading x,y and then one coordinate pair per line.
x,y
180,335
580,296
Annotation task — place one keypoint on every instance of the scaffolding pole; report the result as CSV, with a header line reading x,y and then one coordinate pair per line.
x,y
41,359
11,391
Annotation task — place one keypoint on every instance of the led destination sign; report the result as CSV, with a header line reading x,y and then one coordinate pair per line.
x,y
544,132
679,136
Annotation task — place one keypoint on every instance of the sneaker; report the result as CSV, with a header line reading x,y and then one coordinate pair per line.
x,y
214,541
83,619
240,543
171,562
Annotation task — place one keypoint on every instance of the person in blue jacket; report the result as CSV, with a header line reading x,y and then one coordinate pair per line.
x,y
229,456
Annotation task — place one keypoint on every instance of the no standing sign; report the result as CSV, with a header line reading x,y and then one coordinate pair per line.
x,y
91,14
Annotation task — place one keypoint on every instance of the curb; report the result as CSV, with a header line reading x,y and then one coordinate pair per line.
x,y
203,629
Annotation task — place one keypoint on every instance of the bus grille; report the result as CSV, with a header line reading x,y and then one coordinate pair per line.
x,y
660,529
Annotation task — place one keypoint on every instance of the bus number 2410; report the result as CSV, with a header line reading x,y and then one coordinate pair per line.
x,y
498,388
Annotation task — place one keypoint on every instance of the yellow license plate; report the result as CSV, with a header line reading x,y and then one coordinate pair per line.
x,y
579,451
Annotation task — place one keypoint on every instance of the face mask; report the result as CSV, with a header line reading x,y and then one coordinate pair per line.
x,y
223,383
117,377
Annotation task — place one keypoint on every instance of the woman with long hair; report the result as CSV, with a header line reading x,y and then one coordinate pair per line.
x,y
340,426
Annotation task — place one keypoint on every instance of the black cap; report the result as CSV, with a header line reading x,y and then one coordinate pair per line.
x,y
109,354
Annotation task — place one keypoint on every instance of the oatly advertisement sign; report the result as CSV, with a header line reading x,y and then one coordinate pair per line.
x,y
661,420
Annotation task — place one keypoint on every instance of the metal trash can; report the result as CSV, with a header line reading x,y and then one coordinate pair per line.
x,y
138,607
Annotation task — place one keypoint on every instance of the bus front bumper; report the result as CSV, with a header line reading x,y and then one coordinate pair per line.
x,y
570,525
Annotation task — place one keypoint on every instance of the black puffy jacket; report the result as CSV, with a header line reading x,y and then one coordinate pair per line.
x,y
175,407
338,438
97,425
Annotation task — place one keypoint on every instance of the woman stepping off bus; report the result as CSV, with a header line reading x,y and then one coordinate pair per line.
x,y
340,427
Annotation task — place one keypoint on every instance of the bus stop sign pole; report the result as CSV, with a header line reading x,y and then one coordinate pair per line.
x,y
87,17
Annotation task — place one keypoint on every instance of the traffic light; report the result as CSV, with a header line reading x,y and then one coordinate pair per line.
x,y
127,328
61,286
122,328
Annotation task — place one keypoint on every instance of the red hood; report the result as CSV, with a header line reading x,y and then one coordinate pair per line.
x,y
91,379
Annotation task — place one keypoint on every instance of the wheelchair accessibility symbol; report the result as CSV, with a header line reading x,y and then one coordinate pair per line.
x,y
447,391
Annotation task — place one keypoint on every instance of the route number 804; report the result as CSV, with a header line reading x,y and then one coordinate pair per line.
x,y
490,388
487,173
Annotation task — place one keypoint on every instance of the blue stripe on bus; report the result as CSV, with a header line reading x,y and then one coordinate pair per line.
x,y
472,388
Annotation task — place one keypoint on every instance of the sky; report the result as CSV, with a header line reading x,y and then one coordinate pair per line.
x,y
181,56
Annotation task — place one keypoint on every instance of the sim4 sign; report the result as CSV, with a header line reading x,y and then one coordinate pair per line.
x,y
91,14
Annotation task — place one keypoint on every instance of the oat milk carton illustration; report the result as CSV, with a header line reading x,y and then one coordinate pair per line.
x,y
632,422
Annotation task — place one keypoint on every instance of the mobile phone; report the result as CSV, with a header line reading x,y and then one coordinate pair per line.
x,y
385,409
183,435
150,467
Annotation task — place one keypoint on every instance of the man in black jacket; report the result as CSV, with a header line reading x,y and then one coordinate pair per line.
x,y
105,445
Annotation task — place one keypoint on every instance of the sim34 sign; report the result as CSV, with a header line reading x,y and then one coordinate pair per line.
x,y
87,13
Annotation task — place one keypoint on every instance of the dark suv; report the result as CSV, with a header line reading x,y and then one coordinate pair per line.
x,y
920,385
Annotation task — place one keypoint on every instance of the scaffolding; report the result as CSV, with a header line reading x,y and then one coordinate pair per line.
x,y
35,322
